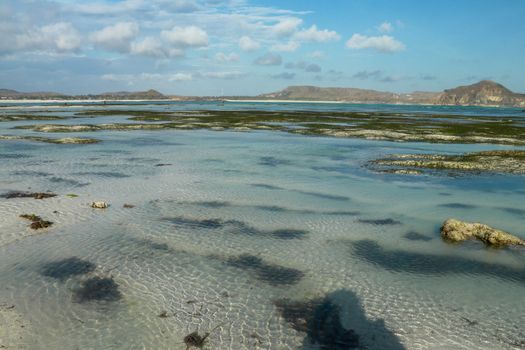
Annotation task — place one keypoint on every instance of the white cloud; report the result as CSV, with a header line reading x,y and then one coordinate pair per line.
x,y
224,75
180,77
116,37
153,47
290,46
248,44
190,36
287,26
386,27
134,78
269,59
231,57
316,54
313,34
384,43
59,37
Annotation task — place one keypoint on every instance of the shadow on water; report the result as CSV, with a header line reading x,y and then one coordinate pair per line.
x,y
416,263
337,322
65,268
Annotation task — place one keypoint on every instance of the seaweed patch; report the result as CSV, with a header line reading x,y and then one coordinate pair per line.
x,y
379,222
22,194
274,275
97,289
417,263
65,268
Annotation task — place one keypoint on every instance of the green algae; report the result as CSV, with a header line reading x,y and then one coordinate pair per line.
x,y
21,117
367,125
65,140
497,161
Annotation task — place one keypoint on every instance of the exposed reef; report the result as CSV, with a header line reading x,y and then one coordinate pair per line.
x,y
368,125
19,117
458,231
499,161
64,140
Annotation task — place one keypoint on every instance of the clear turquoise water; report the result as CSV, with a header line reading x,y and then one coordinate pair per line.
x,y
306,211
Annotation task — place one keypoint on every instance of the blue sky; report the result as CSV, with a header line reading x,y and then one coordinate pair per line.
x,y
247,47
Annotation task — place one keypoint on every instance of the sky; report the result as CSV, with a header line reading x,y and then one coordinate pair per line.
x,y
248,47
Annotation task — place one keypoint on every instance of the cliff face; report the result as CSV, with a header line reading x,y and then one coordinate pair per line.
x,y
484,93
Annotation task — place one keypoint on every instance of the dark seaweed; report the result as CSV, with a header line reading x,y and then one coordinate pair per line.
x,y
273,162
458,206
268,187
411,262
68,182
112,174
29,173
380,222
65,268
323,195
237,227
21,194
274,275
416,236
289,234
97,289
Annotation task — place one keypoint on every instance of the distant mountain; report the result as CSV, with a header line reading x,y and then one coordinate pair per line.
x,y
6,94
13,94
484,93
140,95
314,93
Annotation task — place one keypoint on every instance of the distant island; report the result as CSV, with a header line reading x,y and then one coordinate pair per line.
x,y
483,93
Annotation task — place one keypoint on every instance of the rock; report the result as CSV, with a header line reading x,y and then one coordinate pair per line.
x,y
99,205
457,231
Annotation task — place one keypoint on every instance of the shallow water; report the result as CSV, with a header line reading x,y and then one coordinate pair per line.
x,y
281,241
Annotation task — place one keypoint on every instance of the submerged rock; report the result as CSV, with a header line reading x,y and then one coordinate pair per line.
x,y
458,231
99,205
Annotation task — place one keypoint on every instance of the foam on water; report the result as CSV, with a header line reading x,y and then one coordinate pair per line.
x,y
259,234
